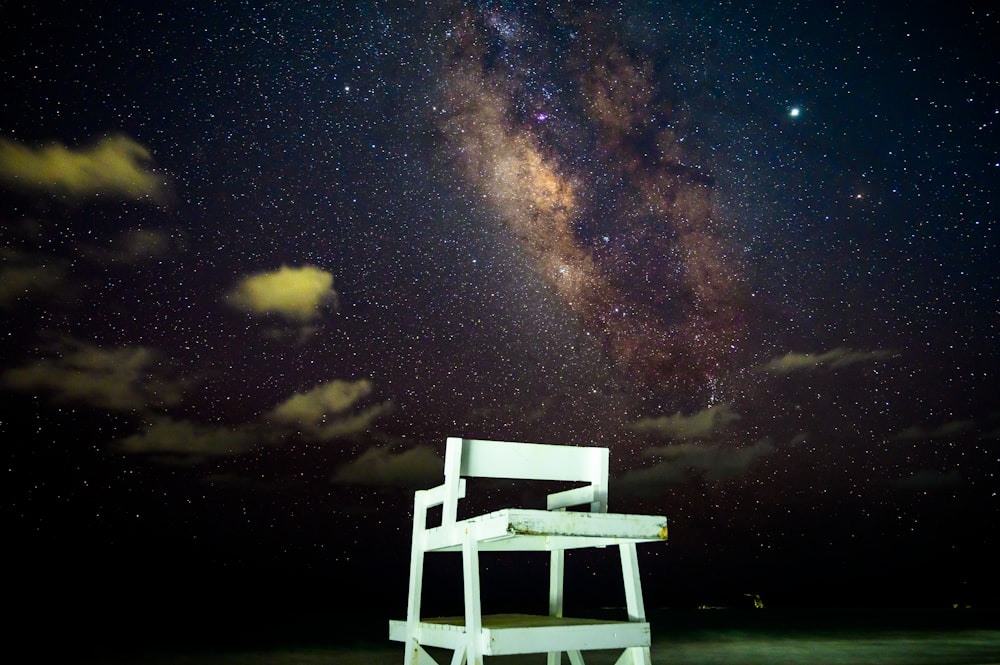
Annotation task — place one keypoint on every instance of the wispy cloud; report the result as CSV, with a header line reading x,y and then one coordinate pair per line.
x,y
313,407
122,379
944,431
352,424
24,276
131,379
296,294
113,166
322,413
697,426
131,247
927,479
412,468
835,359
187,440
683,461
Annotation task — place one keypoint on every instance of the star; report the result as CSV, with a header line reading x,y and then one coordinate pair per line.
x,y
794,112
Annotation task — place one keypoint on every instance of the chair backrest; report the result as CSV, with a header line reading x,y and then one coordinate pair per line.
x,y
466,458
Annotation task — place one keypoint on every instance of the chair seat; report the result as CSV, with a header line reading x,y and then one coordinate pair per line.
x,y
515,529
506,634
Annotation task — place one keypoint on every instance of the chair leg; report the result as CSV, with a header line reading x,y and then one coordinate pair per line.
x,y
473,608
556,573
633,601
413,606
416,581
633,585
557,569
458,658
421,657
634,656
575,658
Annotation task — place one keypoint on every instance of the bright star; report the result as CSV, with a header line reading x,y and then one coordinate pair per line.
x,y
794,112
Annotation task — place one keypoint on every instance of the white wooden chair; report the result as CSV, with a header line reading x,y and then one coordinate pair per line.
x,y
473,635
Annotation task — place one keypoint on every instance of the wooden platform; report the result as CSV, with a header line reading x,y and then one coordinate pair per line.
x,y
506,634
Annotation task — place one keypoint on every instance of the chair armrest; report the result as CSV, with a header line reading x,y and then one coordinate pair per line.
x,y
573,497
435,496
424,499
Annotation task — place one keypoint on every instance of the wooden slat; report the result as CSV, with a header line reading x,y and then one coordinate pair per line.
x,y
532,461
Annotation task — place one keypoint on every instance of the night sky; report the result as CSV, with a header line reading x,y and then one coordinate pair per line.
x,y
259,261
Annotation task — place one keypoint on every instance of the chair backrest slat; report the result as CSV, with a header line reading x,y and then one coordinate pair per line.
x,y
524,461
527,461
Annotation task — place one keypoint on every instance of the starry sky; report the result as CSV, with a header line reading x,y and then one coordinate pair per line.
x,y
259,261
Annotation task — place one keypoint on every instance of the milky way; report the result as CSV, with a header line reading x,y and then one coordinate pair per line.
x,y
589,178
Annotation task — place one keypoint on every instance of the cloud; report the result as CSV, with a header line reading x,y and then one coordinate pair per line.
x,y
296,294
113,166
678,426
123,379
18,282
946,431
189,440
682,461
928,479
835,359
319,415
413,468
357,423
311,408
799,439
131,247
321,412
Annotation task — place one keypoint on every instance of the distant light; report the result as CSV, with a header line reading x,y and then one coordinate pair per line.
x,y
795,111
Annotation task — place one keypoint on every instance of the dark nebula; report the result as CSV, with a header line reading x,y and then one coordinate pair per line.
x,y
641,261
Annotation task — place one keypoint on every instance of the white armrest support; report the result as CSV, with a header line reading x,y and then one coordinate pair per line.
x,y
424,499
574,497
435,496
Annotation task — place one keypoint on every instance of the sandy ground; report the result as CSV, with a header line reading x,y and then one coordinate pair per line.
x,y
951,648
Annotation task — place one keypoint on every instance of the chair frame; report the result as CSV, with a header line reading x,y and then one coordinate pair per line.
x,y
473,636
